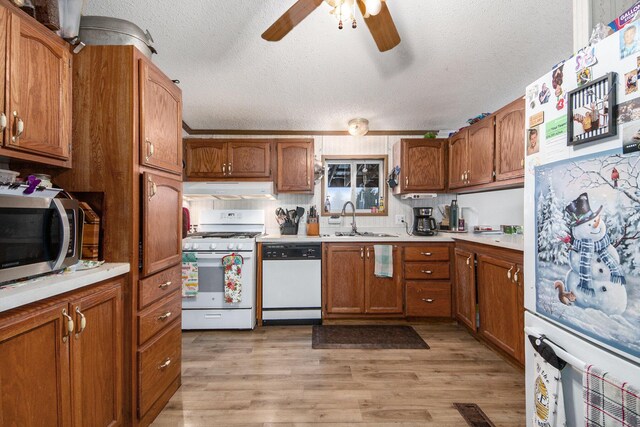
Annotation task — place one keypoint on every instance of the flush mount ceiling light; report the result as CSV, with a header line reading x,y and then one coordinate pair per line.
x,y
358,127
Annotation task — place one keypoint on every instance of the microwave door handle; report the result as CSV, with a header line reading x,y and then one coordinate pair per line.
x,y
66,233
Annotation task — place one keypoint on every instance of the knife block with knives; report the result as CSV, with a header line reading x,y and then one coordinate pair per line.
x,y
313,225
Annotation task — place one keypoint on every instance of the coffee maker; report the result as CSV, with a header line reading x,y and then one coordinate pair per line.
x,y
424,224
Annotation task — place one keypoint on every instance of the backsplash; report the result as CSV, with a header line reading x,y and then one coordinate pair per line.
x,y
343,145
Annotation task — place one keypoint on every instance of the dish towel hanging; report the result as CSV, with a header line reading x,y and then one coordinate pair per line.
x,y
609,402
383,256
232,278
547,386
189,275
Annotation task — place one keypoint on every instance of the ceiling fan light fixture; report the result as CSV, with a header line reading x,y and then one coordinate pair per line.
x,y
358,126
373,6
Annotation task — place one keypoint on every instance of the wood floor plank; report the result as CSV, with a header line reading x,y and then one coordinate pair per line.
x,y
271,377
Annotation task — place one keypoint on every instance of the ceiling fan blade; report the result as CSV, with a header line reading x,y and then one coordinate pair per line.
x,y
292,17
382,27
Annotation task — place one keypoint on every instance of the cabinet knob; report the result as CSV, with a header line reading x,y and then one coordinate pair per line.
x,y
427,300
308,182
164,316
522,163
83,321
426,271
469,260
509,273
229,168
425,253
165,364
153,190
150,148
165,285
69,329
19,124
362,253
224,169
3,122
406,181
515,276
368,255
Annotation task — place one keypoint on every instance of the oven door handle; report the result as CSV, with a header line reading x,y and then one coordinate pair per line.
x,y
208,256
66,233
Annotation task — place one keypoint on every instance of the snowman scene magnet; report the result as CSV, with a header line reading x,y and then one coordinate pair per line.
x,y
588,246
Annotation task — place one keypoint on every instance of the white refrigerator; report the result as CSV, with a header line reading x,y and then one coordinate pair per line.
x,y
582,217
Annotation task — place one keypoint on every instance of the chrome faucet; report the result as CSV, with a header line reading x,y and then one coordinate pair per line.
x,y
353,216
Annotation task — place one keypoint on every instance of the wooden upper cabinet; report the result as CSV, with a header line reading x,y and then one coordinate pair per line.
x,y
465,288
383,294
97,359
39,90
458,159
510,141
422,165
480,152
4,33
344,279
161,222
295,166
34,373
160,120
498,302
248,159
205,158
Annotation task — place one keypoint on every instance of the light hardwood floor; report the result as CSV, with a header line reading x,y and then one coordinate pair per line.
x,y
272,377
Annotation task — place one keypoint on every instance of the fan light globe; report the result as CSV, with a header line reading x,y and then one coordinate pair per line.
x,y
358,127
373,7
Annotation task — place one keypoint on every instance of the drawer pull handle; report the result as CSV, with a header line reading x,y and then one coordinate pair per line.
x,y
425,253
224,169
213,316
515,276
153,188
150,149
427,271
427,300
165,285
469,260
69,325
362,253
165,364
368,255
83,321
19,127
509,273
3,122
165,316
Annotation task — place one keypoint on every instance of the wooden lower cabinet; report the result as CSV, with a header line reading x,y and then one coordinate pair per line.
x,y
428,299
350,285
465,288
56,375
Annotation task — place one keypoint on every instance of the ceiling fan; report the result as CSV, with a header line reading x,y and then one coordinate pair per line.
x,y
375,12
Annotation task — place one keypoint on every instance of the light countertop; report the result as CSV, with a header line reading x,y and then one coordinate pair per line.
x,y
40,288
507,241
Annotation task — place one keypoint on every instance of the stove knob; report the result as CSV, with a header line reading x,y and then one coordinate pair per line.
x,y
230,246
186,246
239,246
212,246
195,246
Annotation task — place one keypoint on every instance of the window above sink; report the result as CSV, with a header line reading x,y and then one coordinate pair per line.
x,y
356,179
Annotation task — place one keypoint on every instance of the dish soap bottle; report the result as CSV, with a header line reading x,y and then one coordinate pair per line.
x,y
327,205
454,215
461,220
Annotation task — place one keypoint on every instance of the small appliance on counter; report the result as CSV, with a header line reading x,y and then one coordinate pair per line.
x,y
424,224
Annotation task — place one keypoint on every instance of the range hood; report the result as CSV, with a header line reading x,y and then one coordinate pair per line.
x,y
228,190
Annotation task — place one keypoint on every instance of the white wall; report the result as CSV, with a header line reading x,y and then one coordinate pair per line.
x,y
341,145
504,207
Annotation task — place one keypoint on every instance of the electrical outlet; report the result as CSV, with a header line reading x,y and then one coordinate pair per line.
x,y
400,219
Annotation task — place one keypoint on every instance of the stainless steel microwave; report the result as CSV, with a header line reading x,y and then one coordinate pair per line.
x,y
38,235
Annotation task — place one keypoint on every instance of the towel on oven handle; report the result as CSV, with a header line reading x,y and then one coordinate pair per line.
x,y
189,275
232,278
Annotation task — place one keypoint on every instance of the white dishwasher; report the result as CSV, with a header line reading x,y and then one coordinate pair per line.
x,y
291,283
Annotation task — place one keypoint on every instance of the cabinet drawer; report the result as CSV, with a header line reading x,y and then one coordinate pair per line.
x,y
152,320
158,366
426,253
426,270
428,299
160,284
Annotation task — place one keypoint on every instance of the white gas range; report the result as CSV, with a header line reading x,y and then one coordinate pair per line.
x,y
221,233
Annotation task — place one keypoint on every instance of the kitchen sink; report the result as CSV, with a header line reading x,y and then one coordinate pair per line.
x,y
363,234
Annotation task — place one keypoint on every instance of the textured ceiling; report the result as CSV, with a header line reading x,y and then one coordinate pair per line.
x,y
457,58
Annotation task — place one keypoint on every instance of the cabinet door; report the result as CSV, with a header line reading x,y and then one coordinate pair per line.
x,y
519,280
510,145
39,90
160,120
205,158
344,279
161,222
96,359
248,159
480,152
34,372
458,159
4,33
498,303
382,294
423,164
465,288
295,166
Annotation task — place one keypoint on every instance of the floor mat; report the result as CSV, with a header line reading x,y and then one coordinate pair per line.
x,y
473,415
366,337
